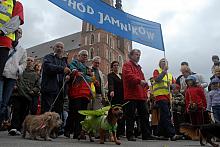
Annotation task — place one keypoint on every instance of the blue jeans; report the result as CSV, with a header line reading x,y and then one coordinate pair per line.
x,y
165,125
6,88
216,113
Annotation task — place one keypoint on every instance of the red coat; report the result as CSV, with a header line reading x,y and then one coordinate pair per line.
x,y
17,11
197,96
79,90
132,76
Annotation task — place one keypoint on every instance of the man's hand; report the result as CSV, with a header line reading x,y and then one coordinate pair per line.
x,y
67,70
165,68
67,78
143,83
112,94
96,83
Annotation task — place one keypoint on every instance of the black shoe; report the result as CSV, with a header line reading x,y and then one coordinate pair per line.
x,y
131,139
67,134
12,132
81,137
162,138
149,138
174,138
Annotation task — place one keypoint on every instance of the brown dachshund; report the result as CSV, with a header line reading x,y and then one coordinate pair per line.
x,y
205,132
103,124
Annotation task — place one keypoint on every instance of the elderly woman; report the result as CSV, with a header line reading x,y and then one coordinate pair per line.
x,y
186,71
79,94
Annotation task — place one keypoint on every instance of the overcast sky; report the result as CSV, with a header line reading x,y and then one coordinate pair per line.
x,y
191,30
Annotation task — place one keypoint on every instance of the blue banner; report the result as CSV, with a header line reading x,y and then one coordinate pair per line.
x,y
115,21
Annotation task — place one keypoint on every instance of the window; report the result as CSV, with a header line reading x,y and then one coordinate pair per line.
x,y
91,53
92,39
91,27
98,37
110,57
107,39
113,43
87,26
118,43
129,47
86,39
110,42
98,52
107,52
120,60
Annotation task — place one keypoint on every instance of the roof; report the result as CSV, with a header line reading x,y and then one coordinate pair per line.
x,y
70,42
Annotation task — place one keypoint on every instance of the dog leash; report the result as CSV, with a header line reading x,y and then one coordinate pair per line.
x,y
61,89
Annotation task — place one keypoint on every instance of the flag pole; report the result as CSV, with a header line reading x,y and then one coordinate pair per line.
x,y
168,83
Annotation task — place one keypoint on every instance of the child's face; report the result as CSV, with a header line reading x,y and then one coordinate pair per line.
x,y
215,85
189,83
175,91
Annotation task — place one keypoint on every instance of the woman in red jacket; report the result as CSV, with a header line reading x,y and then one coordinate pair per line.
x,y
195,101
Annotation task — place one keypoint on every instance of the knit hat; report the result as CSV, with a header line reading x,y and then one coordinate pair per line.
x,y
191,77
215,80
175,86
184,63
215,57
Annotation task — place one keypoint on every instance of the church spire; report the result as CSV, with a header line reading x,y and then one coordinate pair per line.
x,y
118,4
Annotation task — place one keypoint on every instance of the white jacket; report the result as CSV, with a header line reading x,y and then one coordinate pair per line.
x,y
16,64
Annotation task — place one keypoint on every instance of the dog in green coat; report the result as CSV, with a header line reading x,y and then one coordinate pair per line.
x,y
97,121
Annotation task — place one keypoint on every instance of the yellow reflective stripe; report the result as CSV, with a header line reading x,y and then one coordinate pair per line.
x,y
11,36
4,17
160,88
6,13
2,22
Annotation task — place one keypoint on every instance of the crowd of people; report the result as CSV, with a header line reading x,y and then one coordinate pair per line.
x,y
66,88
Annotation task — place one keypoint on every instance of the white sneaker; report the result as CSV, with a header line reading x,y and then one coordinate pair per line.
x,y
18,133
12,132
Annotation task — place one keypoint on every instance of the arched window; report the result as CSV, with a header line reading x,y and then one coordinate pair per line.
x,y
92,39
91,53
120,60
98,52
107,52
98,37
129,47
110,42
110,56
107,39
91,27
87,26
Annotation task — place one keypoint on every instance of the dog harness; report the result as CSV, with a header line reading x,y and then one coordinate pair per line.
x,y
94,123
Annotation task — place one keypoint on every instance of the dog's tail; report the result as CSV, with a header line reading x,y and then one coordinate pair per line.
x,y
201,138
24,125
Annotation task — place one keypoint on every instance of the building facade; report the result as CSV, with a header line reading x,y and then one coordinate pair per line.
x,y
97,42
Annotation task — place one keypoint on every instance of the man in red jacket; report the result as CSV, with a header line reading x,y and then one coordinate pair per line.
x,y
134,84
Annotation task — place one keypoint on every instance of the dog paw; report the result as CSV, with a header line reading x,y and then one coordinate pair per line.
x,y
117,142
91,140
48,139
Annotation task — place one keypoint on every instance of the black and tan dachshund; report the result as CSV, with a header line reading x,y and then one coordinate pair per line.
x,y
205,132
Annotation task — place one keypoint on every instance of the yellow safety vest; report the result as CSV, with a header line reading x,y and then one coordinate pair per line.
x,y
162,88
6,8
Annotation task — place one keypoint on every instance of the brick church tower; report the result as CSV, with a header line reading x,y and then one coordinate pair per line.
x,y
104,44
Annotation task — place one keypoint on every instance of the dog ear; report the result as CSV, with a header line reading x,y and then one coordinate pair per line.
x,y
110,115
48,116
